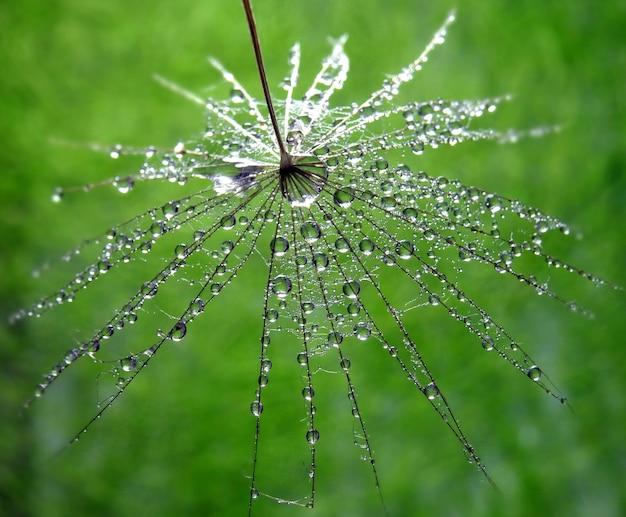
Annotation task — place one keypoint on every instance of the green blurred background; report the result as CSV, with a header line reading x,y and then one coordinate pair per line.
x,y
179,442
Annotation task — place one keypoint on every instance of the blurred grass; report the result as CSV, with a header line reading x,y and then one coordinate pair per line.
x,y
179,441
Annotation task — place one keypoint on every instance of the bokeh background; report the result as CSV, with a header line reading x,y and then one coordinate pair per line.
x,y
179,442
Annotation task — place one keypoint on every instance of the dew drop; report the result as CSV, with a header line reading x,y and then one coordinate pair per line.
x,y
279,246
405,249
345,364
281,286
335,338
310,231
431,391
302,359
320,261
487,343
256,408
128,364
367,246
343,197
362,331
351,289
308,393
271,315
534,372
179,331
312,436
342,245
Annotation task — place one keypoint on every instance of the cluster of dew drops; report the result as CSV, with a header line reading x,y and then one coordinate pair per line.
x,y
349,215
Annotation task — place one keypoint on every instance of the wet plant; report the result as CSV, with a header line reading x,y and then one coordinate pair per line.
x,y
355,237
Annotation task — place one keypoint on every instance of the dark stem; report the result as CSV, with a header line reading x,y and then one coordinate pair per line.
x,y
285,159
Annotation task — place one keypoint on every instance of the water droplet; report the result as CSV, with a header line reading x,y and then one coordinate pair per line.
x,y
236,96
128,364
367,246
488,344
351,289
310,231
279,246
405,249
308,307
362,331
271,315
353,309
320,261
263,380
170,210
228,222
344,197
344,364
179,331
196,307
256,408
308,393
534,372
342,245
124,185
254,493
302,359
431,391
312,436
281,286
266,365
335,338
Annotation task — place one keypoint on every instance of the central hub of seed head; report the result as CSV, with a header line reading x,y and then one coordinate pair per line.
x,y
301,178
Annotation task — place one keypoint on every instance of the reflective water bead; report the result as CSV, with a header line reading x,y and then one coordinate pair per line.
x,y
362,331
256,408
128,364
279,246
351,289
431,391
353,309
534,372
344,364
312,436
487,343
308,393
320,261
310,231
335,338
281,286
405,249
342,245
367,246
344,197
179,331
271,315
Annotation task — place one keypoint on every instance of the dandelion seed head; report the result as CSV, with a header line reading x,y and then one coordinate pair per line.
x,y
342,226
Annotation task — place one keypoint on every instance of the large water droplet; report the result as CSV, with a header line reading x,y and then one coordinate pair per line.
x,y
308,393
312,436
310,231
256,408
279,246
351,289
128,364
281,286
179,331
534,372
